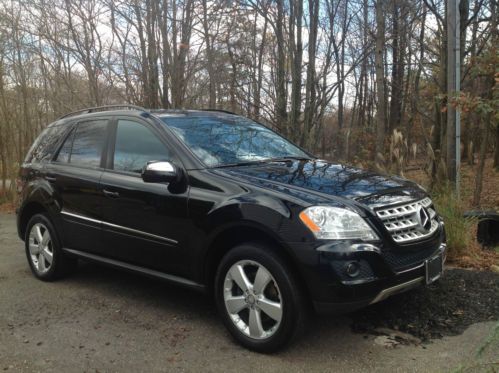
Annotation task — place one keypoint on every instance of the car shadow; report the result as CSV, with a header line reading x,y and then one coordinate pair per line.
x,y
139,291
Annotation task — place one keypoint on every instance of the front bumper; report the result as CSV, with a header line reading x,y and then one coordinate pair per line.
x,y
384,270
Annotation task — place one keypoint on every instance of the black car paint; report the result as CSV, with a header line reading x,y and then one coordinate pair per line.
x,y
208,202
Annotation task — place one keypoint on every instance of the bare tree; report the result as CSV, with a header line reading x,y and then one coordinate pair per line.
x,y
380,77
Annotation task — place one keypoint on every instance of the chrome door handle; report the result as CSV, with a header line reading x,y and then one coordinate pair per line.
x,y
111,194
50,179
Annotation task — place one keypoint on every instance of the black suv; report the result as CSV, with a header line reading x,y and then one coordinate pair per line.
x,y
219,203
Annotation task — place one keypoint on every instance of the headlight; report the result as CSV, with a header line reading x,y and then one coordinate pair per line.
x,y
332,223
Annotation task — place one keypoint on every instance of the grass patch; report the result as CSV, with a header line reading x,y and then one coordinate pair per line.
x,y
461,231
463,248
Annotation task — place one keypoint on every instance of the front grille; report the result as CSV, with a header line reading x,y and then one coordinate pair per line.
x,y
399,260
406,223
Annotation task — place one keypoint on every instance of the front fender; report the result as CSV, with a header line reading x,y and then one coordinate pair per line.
x,y
274,217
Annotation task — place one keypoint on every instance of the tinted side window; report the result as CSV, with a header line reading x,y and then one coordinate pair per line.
x,y
45,145
135,146
88,142
65,150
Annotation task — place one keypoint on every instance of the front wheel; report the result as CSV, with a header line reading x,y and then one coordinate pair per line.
x,y
258,299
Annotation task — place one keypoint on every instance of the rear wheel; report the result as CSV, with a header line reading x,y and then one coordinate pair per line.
x,y
258,299
43,250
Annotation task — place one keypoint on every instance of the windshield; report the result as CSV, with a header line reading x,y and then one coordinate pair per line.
x,y
231,140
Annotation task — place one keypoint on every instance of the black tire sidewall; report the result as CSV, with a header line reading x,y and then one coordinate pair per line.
x,y
54,270
290,296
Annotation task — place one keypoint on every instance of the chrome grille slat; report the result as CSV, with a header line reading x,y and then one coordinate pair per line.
x,y
402,221
396,226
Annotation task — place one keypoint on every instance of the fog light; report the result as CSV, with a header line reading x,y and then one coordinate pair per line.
x,y
352,269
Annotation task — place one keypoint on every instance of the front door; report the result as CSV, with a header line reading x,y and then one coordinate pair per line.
x,y
143,223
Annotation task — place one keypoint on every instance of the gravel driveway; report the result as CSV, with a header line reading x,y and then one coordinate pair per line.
x,y
101,319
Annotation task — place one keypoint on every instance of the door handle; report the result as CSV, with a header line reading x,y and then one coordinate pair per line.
x,y
50,179
111,194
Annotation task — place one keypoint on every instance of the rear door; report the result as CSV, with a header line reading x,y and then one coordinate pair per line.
x,y
75,173
143,223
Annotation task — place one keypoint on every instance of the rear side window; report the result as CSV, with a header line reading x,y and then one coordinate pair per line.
x,y
46,144
65,150
83,147
135,146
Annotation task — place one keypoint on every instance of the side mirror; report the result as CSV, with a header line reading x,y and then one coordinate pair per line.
x,y
160,172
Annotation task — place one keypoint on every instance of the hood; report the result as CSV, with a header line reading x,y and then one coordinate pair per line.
x,y
315,181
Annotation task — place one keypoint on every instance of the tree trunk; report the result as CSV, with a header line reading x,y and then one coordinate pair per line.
x,y
281,97
481,163
165,55
210,65
496,151
380,77
296,52
451,91
257,102
310,93
152,55
180,50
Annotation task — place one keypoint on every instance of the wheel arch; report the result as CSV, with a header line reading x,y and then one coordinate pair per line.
x,y
39,196
246,232
26,213
31,208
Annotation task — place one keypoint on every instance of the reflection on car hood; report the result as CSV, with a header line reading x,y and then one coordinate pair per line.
x,y
325,179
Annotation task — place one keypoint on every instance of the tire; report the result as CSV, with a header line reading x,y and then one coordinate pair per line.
x,y
43,250
262,318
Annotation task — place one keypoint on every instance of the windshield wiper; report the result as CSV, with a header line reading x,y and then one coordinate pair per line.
x,y
289,158
268,160
246,163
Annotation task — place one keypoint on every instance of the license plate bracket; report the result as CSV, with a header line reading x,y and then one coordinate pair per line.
x,y
434,268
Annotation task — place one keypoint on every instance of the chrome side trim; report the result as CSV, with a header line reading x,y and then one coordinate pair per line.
x,y
81,217
134,268
131,230
397,289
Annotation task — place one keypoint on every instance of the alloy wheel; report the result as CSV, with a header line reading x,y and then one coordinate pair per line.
x,y
40,248
252,299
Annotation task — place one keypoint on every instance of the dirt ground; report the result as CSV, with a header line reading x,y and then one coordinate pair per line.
x,y
459,299
103,320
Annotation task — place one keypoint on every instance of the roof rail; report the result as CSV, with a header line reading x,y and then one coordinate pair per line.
x,y
167,111
220,110
103,108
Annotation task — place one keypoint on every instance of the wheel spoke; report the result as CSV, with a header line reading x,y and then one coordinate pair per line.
x,y
235,304
47,255
262,279
41,262
45,238
272,309
238,275
255,323
34,249
38,234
